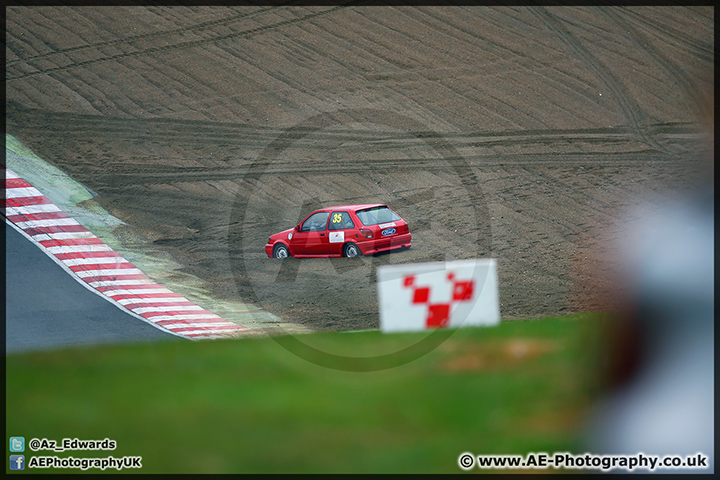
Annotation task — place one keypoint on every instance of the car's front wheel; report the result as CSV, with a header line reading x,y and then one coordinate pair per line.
x,y
280,251
351,250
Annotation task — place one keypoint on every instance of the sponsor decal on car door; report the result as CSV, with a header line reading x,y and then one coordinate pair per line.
x,y
338,224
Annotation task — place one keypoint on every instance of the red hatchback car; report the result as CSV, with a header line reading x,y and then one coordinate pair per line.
x,y
342,231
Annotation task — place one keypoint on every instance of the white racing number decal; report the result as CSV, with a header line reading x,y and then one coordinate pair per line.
x,y
337,237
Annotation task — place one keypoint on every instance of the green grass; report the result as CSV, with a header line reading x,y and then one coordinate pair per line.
x,y
250,405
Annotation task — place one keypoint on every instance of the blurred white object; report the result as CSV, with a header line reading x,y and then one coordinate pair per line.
x,y
668,406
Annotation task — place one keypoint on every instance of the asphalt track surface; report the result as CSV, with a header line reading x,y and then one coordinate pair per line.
x,y
46,308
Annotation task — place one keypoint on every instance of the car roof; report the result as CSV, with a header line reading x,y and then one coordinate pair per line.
x,y
360,206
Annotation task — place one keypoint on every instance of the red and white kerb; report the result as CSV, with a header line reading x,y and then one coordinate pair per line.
x,y
100,268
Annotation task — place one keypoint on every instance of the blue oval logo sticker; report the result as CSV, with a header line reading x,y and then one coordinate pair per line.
x,y
388,231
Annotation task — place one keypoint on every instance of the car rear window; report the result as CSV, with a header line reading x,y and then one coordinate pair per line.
x,y
375,215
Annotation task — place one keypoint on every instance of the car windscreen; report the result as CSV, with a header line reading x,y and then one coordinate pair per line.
x,y
375,215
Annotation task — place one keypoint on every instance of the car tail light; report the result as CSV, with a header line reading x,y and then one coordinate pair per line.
x,y
406,228
367,233
269,240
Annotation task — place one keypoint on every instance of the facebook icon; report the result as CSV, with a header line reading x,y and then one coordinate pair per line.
x,y
17,462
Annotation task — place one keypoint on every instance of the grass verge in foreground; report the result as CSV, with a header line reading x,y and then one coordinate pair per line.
x,y
249,405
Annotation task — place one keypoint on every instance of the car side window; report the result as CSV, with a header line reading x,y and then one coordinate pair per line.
x,y
340,221
315,222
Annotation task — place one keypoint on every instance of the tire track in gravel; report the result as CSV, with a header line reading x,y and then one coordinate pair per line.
x,y
505,19
631,110
628,24
184,45
676,38
150,35
130,176
464,99
173,132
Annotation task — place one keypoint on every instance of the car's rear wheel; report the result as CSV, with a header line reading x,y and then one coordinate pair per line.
x,y
351,250
280,251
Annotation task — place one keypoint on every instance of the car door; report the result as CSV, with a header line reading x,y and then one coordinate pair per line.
x,y
340,228
309,239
